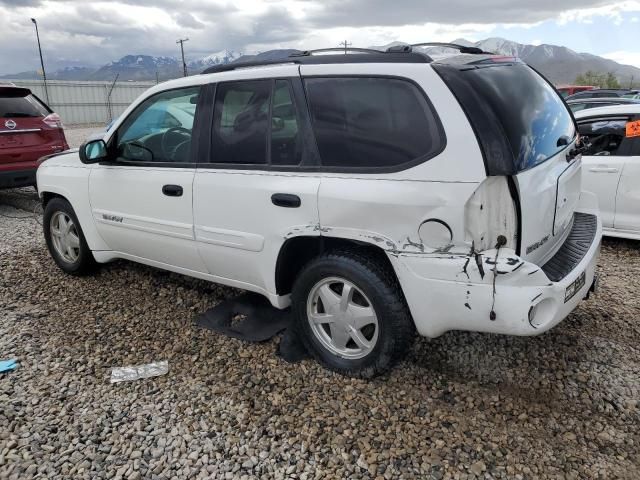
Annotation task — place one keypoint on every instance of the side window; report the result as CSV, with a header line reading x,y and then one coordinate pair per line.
x,y
286,143
159,129
371,122
256,123
605,136
241,122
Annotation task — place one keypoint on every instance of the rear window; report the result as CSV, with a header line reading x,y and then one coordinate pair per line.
x,y
372,122
514,102
19,105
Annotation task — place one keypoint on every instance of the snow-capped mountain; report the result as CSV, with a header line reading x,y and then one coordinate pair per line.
x,y
559,64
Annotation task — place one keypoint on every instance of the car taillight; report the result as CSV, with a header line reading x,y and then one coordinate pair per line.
x,y
490,213
53,120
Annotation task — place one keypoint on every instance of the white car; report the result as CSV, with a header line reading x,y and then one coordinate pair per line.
x,y
612,165
377,194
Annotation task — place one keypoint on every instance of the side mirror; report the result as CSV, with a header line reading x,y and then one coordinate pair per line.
x,y
93,151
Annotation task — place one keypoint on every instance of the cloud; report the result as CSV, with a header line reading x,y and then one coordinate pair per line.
x,y
410,12
625,57
95,32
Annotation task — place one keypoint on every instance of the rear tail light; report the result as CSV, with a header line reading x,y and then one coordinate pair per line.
x,y
53,120
490,213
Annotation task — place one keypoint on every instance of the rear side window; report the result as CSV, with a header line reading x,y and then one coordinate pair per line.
x,y
19,105
256,123
372,122
521,119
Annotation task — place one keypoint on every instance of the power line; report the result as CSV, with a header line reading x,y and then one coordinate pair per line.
x,y
346,45
184,64
44,74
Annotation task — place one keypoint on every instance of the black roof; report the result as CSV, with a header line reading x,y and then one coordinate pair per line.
x,y
620,100
395,54
380,57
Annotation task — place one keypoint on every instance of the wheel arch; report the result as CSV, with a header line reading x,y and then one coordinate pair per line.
x,y
82,208
296,252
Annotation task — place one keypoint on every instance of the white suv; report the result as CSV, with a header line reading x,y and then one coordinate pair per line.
x,y
378,194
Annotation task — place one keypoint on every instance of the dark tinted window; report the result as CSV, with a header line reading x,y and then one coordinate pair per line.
x,y
240,124
606,136
371,122
17,105
529,110
286,141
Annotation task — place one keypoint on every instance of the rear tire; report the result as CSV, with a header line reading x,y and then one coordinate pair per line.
x,y
65,240
351,314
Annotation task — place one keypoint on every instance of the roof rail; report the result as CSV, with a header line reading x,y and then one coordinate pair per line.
x,y
307,53
461,48
368,56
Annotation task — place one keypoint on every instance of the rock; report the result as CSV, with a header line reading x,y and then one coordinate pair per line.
x,y
478,467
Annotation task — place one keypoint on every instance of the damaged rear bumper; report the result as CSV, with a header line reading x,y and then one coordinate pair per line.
x,y
447,292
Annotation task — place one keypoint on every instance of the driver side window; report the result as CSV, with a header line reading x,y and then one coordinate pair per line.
x,y
159,129
605,136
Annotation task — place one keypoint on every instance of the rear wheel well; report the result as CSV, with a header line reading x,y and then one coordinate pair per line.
x,y
298,251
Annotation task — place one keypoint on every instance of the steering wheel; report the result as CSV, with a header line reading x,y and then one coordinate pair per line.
x,y
164,140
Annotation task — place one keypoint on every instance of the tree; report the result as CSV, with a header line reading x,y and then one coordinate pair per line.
x,y
602,80
611,81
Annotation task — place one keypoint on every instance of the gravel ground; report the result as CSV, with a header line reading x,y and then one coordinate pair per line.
x,y
76,135
563,405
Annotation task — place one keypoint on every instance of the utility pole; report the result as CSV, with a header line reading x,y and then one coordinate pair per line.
x,y
44,75
184,65
346,46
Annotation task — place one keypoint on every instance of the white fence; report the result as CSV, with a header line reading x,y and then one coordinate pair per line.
x,y
86,102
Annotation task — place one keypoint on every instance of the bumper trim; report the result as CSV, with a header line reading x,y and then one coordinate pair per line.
x,y
575,247
17,178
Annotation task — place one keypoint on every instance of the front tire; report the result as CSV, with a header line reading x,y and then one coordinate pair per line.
x,y
65,240
351,315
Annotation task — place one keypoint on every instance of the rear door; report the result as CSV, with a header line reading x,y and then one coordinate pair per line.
x,y
526,133
255,192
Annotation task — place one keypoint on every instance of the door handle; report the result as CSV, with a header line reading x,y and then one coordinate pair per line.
x,y
603,169
286,200
172,190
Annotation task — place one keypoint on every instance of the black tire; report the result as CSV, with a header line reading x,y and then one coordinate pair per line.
x,y
85,263
381,288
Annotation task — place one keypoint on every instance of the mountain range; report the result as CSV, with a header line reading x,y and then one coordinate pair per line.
x,y
560,64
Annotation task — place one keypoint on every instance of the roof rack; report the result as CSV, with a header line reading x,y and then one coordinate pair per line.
x,y
461,48
395,54
361,56
306,53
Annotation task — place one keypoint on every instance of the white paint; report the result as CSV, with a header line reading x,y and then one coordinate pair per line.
x,y
225,228
615,180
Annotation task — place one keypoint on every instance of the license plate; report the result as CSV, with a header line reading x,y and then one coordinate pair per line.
x,y
575,287
10,140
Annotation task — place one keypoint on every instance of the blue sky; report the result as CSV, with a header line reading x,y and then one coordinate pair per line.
x,y
612,36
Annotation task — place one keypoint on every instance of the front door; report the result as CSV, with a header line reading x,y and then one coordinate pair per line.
x,y
142,200
628,198
254,194
603,162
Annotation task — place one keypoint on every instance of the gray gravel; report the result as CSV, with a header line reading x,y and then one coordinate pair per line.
x,y
563,405
78,134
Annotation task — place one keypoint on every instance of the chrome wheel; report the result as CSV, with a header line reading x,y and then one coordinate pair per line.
x,y
342,318
65,237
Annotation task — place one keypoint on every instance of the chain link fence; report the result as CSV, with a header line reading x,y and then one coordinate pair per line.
x,y
86,103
